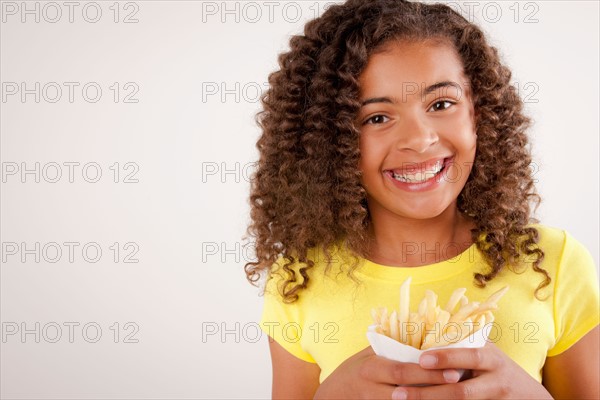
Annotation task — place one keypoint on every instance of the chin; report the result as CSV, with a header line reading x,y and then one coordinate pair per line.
x,y
423,211
422,214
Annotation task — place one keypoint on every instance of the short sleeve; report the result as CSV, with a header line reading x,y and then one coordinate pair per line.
x,y
576,303
283,322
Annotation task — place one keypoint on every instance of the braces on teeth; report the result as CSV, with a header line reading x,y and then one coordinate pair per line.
x,y
419,177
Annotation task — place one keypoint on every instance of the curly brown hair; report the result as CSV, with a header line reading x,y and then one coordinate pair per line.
x,y
306,190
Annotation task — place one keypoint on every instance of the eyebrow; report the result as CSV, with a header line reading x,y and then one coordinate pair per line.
x,y
427,90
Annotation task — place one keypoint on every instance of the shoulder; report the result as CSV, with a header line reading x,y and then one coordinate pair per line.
x,y
325,265
549,233
574,285
560,246
566,259
549,236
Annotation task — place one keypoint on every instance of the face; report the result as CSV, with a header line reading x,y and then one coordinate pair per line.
x,y
417,126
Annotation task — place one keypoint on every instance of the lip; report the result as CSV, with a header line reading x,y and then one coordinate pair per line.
x,y
414,167
429,184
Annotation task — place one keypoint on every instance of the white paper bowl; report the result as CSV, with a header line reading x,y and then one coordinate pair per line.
x,y
389,348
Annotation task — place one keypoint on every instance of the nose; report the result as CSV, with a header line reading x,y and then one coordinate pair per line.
x,y
416,134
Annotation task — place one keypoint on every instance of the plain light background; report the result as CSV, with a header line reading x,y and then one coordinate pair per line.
x,y
181,321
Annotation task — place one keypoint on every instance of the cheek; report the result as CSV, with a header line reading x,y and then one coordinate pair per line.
x,y
367,151
472,138
361,149
467,139
469,151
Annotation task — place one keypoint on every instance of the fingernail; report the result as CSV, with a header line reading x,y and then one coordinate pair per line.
x,y
399,394
451,375
428,360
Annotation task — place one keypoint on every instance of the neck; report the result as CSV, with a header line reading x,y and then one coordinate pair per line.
x,y
406,242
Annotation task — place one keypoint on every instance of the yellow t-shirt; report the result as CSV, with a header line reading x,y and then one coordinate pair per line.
x,y
329,321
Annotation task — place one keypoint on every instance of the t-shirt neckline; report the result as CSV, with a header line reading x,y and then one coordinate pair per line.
x,y
425,273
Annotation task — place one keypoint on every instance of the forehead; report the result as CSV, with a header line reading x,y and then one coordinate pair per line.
x,y
414,62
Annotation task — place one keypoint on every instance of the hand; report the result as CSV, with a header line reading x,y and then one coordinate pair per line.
x,y
368,376
493,376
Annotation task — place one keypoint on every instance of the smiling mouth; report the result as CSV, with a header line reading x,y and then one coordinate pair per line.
x,y
421,176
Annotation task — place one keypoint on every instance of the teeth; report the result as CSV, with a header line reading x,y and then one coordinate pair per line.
x,y
420,176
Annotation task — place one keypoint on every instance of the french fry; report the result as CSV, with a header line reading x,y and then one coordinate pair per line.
x,y
385,323
464,312
420,326
422,310
454,299
430,314
467,330
480,321
375,316
404,308
430,340
493,299
394,332
412,329
434,332
432,326
450,334
443,319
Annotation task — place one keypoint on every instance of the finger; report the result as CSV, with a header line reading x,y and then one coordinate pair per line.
x,y
382,370
365,352
484,358
471,389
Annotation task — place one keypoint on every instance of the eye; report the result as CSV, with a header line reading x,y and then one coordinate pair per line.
x,y
441,105
376,119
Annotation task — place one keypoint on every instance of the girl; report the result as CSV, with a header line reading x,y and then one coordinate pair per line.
x,y
394,145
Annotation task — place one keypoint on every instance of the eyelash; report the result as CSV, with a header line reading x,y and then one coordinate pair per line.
x,y
369,120
443,101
